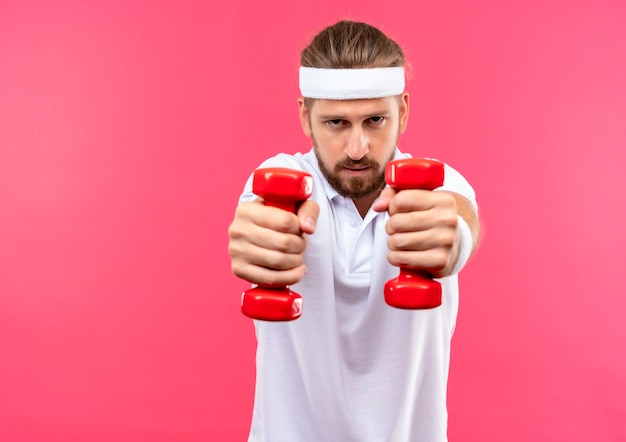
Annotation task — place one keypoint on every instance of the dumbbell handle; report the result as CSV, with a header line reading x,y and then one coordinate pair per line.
x,y
413,289
283,188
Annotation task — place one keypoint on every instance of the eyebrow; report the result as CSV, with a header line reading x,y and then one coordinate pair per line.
x,y
343,116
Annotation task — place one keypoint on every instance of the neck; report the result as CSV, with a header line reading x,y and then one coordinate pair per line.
x,y
364,203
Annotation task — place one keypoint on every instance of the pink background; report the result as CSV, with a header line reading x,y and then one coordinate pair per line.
x,y
128,128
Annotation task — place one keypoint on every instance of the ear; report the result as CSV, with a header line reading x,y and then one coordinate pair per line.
x,y
305,117
404,111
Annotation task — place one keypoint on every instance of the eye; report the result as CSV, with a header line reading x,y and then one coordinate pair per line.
x,y
376,121
335,123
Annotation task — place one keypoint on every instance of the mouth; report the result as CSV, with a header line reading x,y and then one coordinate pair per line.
x,y
356,171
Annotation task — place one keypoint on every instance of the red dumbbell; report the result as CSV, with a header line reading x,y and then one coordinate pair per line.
x,y
413,289
283,188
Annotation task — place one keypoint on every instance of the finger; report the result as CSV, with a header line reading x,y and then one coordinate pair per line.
x,y
246,234
420,221
432,260
382,202
307,214
245,251
269,217
265,276
417,199
272,258
423,240
415,221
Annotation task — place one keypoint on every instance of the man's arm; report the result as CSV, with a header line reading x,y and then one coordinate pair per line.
x,y
266,244
466,210
424,229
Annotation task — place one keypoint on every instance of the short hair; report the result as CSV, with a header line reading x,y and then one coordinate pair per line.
x,y
352,45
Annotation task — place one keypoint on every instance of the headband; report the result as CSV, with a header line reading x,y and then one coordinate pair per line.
x,y
351,84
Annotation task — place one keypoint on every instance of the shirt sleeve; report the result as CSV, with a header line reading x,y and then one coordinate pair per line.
x,y
453,181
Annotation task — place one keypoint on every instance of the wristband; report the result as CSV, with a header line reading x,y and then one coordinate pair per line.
x,y
465,248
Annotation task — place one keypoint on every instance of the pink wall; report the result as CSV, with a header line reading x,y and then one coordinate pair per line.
x,y
128,128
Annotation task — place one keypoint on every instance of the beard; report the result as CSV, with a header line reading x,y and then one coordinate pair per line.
x,y
354,187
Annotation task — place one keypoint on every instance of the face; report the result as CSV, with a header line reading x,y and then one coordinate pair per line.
x,y
354,139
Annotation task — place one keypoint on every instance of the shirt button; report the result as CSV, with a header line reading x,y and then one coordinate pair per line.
x,y
352,223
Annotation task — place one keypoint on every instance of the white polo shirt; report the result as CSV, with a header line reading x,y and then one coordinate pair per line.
x,y
352,368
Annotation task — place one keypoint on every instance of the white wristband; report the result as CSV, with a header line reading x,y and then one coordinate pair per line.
x,y
465,248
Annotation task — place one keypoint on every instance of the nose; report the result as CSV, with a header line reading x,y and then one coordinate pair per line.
x,y
357,145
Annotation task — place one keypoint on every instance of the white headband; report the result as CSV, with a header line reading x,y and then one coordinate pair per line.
x,y
351,84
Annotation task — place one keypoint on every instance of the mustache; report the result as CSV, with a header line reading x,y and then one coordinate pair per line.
x,y
363,162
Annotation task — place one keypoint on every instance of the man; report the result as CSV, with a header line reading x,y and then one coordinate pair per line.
x,y
353,368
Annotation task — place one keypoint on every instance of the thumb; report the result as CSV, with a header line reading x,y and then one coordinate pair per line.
x,y
307,214
382,202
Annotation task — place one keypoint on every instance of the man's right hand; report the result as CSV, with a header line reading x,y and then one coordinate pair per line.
x,y
266,244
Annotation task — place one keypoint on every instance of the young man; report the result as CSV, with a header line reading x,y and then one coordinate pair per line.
x,y
353,368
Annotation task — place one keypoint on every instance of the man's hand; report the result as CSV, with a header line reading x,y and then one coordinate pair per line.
x,y
266,244
423,228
